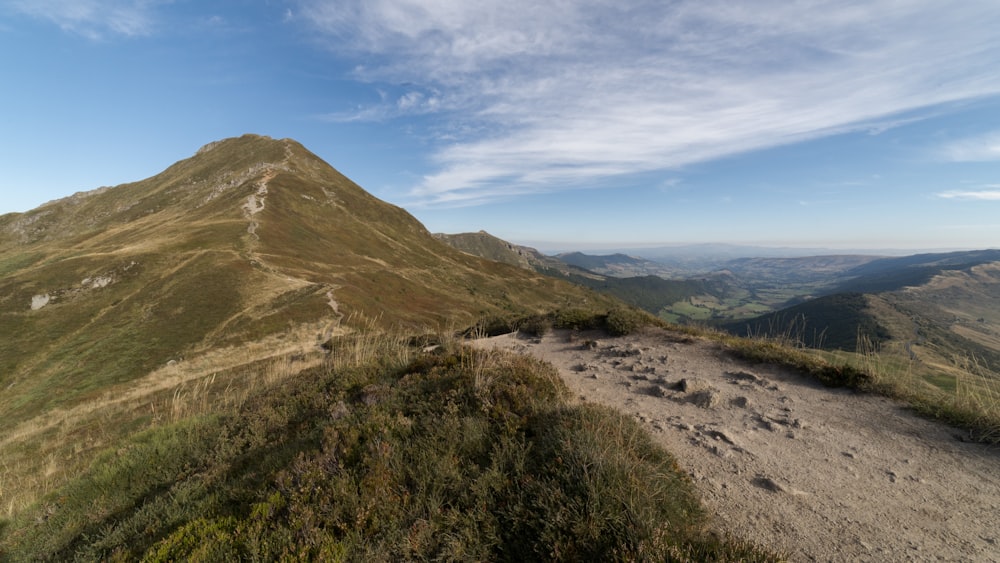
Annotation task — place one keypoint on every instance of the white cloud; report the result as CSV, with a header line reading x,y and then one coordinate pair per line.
x,y
412,102
990,194
94,19
981,148
578,93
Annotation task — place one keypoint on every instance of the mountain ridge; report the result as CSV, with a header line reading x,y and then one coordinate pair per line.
x,y
249,238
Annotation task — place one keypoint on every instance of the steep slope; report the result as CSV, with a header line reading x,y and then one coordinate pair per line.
x,y
648,292
831,322
249,238
487,246
938,309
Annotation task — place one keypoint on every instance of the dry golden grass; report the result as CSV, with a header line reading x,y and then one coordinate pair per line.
x,y
41,453
964,392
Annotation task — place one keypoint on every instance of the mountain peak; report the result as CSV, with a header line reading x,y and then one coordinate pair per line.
x,y
243,138
250,238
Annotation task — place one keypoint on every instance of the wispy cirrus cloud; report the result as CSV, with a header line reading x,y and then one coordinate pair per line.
x,y
987,193
94,19
571,94
980,148
409,103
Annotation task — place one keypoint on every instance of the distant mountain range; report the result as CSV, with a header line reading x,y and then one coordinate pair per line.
x,y
485,245
946,304
941,307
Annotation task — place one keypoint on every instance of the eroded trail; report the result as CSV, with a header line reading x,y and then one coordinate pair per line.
x,y
821,474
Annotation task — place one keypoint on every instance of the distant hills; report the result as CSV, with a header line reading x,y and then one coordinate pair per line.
x,y
649,292
942,308
485,245
618,265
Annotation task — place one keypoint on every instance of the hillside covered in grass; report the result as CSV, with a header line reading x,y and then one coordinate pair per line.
x,y
251,238
195,367
243,261
453,454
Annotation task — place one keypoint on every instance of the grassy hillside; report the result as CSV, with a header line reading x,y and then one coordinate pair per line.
x,y
382,454
250,238
251,252
652,293
831,322
648,292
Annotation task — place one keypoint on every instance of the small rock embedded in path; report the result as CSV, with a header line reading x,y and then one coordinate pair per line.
x,y
705,399
657,391
692,385
741,402
744,376
769,484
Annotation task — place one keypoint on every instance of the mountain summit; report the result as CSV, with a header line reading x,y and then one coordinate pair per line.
x,y
250,238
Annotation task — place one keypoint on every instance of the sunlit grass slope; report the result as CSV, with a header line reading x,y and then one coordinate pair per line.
x,y
383,453
250,237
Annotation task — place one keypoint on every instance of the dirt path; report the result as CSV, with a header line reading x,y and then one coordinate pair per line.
x,y
821,474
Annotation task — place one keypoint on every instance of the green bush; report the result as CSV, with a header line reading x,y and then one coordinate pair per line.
x,y
535,325
578,319
624,321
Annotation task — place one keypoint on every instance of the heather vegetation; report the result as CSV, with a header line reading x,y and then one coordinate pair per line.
x,y
617,321
383,453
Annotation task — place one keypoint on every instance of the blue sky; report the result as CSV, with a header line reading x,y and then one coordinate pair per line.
x,y
569,124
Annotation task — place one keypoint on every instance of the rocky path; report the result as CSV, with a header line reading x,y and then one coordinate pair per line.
x,y
820,474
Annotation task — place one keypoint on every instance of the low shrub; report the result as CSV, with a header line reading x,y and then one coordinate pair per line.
x,y
623,321
578,319
535,325
492,325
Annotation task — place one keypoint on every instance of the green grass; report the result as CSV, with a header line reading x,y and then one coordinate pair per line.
x,y
459,454
966,397
617,321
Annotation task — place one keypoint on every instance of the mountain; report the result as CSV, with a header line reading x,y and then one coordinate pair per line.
x,y
248,357
618,265
249,239
893,274
941,309
648,292
832,321
485,245
824,270
695,259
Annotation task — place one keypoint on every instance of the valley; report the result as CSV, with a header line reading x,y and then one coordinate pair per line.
x,y
926,324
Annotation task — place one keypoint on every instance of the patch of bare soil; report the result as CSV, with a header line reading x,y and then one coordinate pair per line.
x,y
817,473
